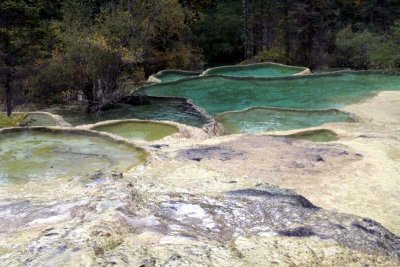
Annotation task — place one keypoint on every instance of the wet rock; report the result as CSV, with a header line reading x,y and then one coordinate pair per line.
x,y
298,232
148,263
210,153
116,175
135,100
62,248
296,164
274,192
187,228
24,214
159,146
265,211
98,175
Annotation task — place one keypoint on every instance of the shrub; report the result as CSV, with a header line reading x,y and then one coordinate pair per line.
x,y
354,49
272,55
387,54
15,120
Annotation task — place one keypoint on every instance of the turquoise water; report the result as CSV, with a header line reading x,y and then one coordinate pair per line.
x,y
265,119
220,94
257,70
157,109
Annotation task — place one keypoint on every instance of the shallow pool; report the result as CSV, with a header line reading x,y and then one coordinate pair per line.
x,y
156,109
148,131
256,120
220,94
27,155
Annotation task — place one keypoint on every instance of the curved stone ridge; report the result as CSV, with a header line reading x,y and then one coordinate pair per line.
x,y
264,119
46,153
171,75
266,69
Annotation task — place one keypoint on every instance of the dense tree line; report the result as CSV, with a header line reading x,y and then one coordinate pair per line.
x,y
55,51
320,33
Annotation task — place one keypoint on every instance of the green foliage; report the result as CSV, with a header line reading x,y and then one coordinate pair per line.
x,y
165,45
354,49
54,51
24,36
275,54
387,54
101,46
365,50
219,34
15,120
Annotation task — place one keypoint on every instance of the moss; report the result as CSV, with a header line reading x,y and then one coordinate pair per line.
x,y
316,136
15,120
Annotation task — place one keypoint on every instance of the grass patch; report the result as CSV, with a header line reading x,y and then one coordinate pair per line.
x,y
15,120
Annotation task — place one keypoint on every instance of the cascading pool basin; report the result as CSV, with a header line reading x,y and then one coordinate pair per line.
x,y
156,109
174,75
255,70
255,120
221,94
315,136
136,130
27,155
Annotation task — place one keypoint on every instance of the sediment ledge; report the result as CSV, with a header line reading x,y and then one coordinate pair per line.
x,y
157,78
211,71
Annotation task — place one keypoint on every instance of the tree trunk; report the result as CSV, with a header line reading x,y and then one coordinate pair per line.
x,y
247,28
286,35
88,92
7,86
266,24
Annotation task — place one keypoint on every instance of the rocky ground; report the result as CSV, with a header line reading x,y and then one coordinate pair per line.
x,y
242,200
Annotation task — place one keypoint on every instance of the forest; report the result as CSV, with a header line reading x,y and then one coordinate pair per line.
x,y
92,51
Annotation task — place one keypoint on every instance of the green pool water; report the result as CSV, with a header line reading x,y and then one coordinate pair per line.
x,y
269,119
156,109
139,130
169,76
256,70
315,136
28,155
221,94
37,119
